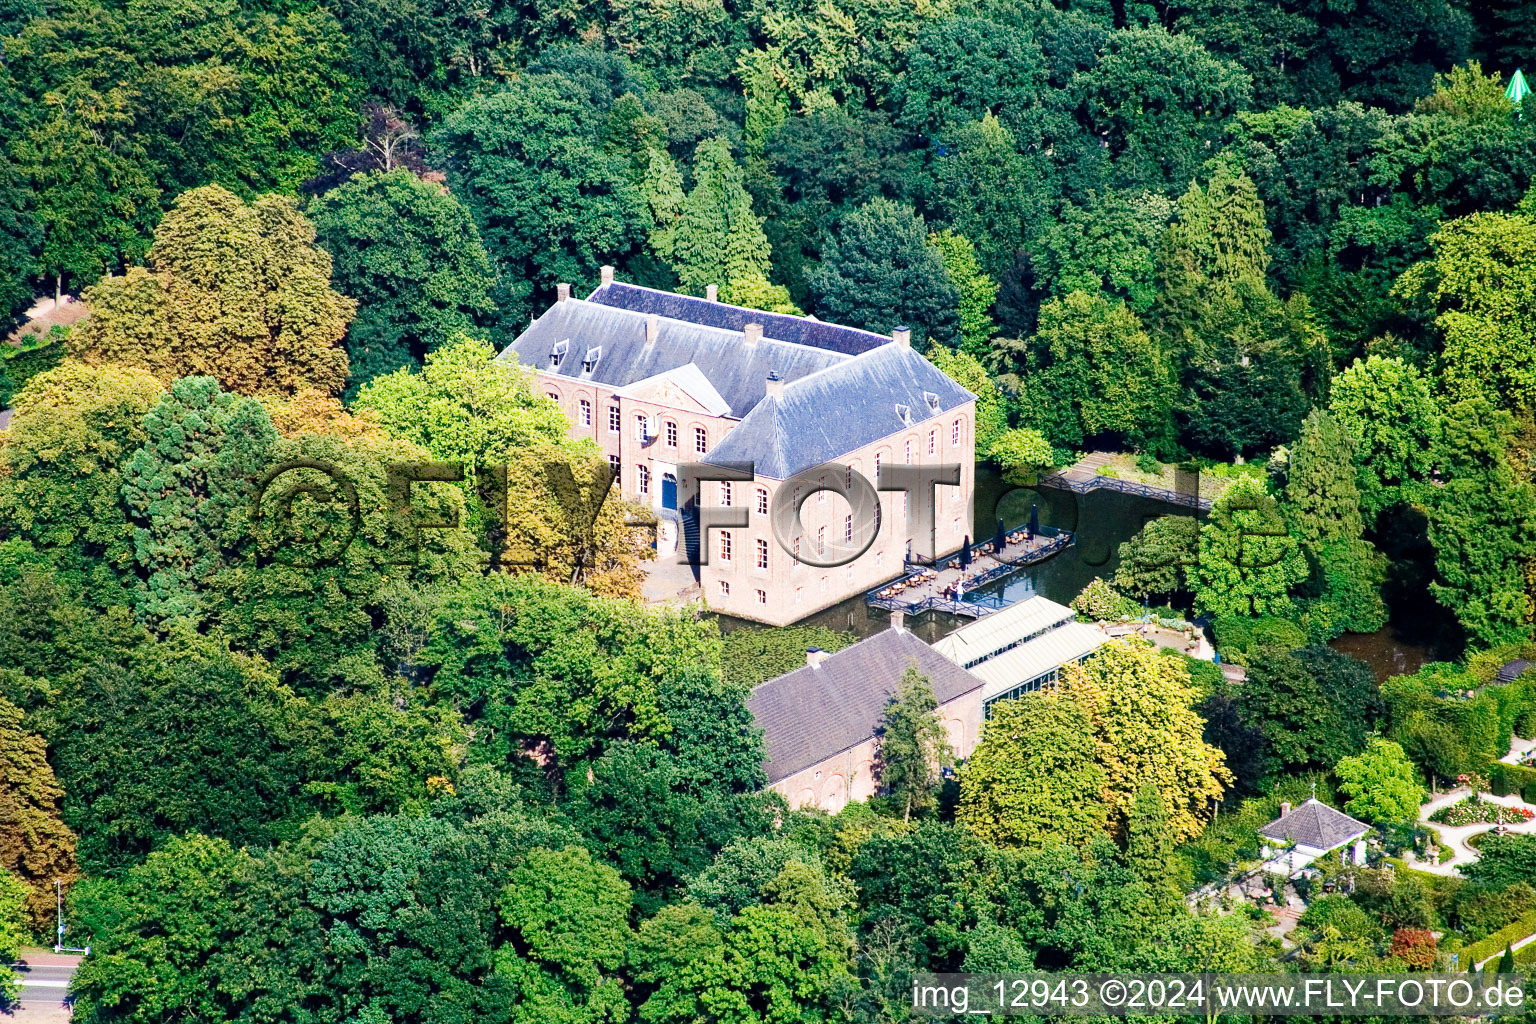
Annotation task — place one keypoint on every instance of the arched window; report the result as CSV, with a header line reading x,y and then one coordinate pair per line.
x,y
700,440
586,413
933,442
762,501
671,434
641,434
643,479
954,433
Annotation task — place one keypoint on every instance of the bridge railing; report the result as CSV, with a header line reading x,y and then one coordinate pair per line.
x,y
1109,483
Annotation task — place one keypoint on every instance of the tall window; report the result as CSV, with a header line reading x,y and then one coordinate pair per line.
x,y
643,479
762,502
613,419
725,493
725,589
725,545
795,550
762,553
954,433
762,597
821,540
700,440
909,451
821,489
586,413
933,441
848,478
877,468
641,434
671,434
613,460
847,528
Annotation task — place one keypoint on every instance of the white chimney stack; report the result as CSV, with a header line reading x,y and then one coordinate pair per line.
x,y
562,291
1285,808
775,384
814,656
898,620
607,273
902,336
753,332
652,328
711,292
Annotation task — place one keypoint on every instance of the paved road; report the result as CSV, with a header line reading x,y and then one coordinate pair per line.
x,y
44,984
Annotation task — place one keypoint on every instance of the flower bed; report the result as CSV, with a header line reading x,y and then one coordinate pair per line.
x,y
1473,811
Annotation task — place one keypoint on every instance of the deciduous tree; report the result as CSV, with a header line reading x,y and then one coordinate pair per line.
x,y
1035,778
877,273
410,255
1248,560
36,847
233,290
1381,783
1385,405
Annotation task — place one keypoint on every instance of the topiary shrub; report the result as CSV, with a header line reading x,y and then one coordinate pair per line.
x,y
1100,600
1242,640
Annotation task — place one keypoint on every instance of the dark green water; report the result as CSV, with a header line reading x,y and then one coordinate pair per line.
x,y
1101,521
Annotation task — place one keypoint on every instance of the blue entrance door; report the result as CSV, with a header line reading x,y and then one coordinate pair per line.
x,y
668,491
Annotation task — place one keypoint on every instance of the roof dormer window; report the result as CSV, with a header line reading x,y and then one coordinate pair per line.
x,y
591,358
557,354
904,413
932,400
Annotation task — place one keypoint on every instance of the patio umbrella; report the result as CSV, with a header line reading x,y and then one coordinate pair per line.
x,y
965,552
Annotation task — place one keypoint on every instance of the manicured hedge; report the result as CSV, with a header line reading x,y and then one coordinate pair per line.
x,y
1496,942
1241,640
1505,779
21,365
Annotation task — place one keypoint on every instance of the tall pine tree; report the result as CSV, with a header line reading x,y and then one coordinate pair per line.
x,y
719,239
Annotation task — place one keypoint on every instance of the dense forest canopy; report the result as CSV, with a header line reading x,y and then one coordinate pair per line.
x,y
1291,243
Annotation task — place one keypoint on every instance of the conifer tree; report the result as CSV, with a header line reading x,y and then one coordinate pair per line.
x,y
1320,490
913,744
977,290
662,187
719,239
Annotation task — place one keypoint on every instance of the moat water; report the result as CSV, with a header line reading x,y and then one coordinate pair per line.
x,y
1101,521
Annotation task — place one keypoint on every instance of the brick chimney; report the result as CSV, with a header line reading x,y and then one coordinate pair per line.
x,y
753,333
652,328
814,656
607,273
898,620
775,384
902,336
712,292
1285,808
562,291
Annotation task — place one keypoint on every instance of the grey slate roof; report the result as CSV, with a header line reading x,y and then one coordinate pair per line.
x,y
814,712
1316,825
795,329
737,370
843,408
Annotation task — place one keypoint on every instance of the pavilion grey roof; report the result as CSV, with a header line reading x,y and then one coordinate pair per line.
x,y
1317,825
816,711
840,409
797,330
1004,630
737,370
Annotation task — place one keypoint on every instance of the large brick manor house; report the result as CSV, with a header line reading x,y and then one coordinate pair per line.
x,y
660,380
